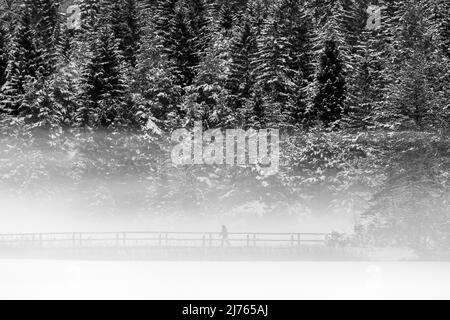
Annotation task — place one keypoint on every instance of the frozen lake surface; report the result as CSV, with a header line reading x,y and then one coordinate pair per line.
x,y
29,279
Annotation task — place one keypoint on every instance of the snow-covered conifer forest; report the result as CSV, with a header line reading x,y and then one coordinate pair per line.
x,y
92,89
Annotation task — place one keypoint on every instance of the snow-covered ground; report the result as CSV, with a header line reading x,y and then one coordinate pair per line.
x,y
27,279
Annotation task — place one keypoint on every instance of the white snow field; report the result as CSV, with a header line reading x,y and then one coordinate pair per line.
x,y
29,279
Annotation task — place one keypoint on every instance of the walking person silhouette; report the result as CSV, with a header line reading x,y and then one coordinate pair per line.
x,y
224,233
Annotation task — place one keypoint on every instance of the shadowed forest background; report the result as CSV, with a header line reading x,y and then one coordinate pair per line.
x,y
86,113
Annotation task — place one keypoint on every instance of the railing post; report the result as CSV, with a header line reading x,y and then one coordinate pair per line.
x,y
160,240
124,239
254,239
210,240
204,240
299,239
248,240
292,240
74,242
117,240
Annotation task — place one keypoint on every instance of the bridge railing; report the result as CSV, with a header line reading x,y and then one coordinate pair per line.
x,y
160,239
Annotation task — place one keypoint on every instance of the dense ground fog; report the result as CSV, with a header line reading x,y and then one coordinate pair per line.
x,y
88,103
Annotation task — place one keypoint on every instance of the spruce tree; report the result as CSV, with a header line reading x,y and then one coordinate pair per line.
x,y
244,98
22,66
90,11
366,82
329,100
197,17
334,57
157,94
442,18
226,17
47,31
274,77
42,111
3,57
295,26
10,13
182,53
440,21
241,80
103,99
33,61
206,98
52,101
125,23
411,69
176,35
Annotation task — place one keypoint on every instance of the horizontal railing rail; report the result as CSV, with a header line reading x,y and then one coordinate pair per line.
x,y
160,239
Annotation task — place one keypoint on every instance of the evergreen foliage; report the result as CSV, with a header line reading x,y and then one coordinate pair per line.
x,y
3,56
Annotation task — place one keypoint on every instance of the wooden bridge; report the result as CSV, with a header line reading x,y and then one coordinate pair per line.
x,y
166,245
159,239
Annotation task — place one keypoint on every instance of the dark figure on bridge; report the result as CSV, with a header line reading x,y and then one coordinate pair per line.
x,y
225,239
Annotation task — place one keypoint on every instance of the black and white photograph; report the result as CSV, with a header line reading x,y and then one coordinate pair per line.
x,y
224,150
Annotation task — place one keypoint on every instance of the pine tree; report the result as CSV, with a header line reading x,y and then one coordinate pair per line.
x,y
205,99
158,95
296,26
241,80
41,110
243,99
90,11
226,15
442,22
408,77
182,53
329,101
274,77
440,33
65,91
52,101
125,23
175,33
339,25
197,17
366,82
22,66
10,13
47,31
409,207
103,99
163,16
33,60
3,57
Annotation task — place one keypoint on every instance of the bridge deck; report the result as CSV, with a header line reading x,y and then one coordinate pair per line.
x,y
172,246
